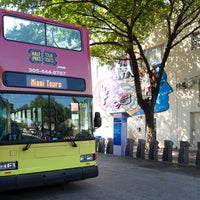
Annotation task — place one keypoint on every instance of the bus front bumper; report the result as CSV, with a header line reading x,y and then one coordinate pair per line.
x,y
47,178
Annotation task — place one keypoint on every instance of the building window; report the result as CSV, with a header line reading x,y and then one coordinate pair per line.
x,y
195,40
154,55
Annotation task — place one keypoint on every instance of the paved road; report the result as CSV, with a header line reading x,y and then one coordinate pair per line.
x,y
123,178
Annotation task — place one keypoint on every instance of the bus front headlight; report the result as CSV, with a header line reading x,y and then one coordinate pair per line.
x,y
87,157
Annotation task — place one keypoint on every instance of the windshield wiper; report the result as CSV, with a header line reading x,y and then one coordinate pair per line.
x,y
26,147
29,145
73,142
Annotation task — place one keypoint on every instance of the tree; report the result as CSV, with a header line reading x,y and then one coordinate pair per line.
x,y
118,27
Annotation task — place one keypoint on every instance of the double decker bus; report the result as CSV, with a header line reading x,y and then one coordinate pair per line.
x,y
46,123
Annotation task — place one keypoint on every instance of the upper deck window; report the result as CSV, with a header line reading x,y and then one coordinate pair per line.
x,y
28,31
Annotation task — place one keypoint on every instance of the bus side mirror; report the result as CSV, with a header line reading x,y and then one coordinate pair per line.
x,y
97,120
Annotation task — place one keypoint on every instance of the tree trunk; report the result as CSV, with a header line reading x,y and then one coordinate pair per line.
x,y
150,128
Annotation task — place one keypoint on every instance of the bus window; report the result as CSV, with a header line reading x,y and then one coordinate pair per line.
x,y
23,30
3,116
39,118
28,31
63,37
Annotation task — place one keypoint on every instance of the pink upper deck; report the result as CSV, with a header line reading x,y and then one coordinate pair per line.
x,y
16,56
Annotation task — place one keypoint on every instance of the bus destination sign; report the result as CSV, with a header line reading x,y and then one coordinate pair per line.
x,y
17,79
46,82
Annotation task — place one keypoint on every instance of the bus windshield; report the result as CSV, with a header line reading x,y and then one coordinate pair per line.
x,y
32,118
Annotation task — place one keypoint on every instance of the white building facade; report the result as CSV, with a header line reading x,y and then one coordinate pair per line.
x,y
181,120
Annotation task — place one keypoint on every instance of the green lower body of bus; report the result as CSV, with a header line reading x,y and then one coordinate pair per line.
x,y
46,163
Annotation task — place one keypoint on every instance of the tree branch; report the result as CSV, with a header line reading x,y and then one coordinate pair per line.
x,y
106,43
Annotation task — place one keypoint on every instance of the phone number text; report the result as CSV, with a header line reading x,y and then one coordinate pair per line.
x,y
46,71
